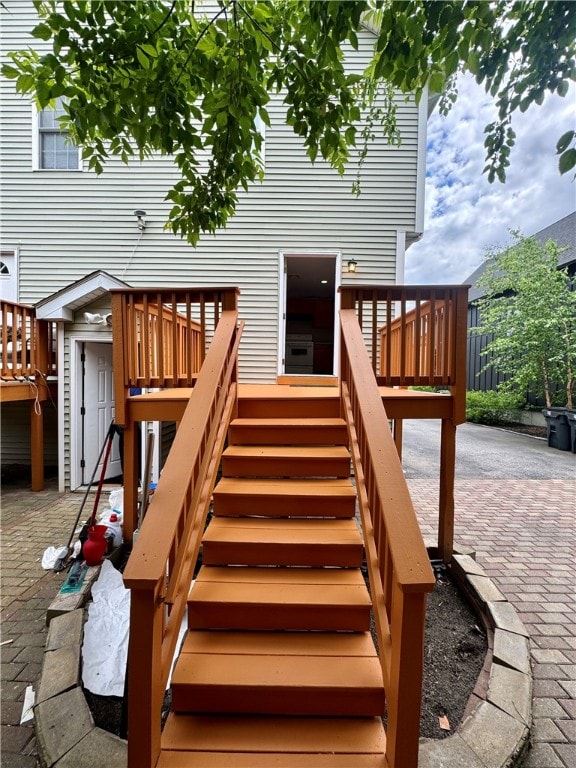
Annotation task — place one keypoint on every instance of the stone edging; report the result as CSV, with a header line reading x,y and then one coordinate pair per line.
x,y
495,730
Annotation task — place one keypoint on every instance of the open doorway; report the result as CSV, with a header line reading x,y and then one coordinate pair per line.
x,y
309,314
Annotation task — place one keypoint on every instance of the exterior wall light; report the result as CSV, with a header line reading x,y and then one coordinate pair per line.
x,y
352,264
141,216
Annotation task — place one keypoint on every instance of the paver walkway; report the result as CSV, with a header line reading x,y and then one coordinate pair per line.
x,y
524,533
30,522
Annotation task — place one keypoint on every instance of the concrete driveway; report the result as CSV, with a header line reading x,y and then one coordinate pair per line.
x,y
484,452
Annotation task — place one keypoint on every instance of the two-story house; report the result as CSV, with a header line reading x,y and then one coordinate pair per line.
x,y
69,236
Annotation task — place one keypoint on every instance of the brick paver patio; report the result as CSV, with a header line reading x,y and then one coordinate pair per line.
x,y
523,532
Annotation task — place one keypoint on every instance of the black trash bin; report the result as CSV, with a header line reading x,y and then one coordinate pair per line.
x,y
558,428
571,418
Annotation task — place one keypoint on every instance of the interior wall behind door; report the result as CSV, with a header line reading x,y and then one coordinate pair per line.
x,y
310,314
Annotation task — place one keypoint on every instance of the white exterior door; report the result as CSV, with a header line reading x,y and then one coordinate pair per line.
x,y
97,411
8,276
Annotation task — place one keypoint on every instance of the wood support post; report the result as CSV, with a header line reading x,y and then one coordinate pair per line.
x,y
130,469
398,425
406,674
446,495
37,444
144,690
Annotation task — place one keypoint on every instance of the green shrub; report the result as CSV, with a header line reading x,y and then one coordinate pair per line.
x,y
492,407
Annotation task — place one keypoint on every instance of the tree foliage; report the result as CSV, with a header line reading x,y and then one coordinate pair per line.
x,y
162,76
530,309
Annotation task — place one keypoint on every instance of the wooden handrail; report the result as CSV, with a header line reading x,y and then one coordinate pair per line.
x,y
27,345
424,345
398,565
160,336
160,568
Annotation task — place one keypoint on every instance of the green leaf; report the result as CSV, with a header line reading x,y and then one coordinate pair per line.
x,y
142,58
567,160
564,141
149,49
42,32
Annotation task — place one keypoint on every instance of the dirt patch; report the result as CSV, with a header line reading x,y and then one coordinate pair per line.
x,y
454,655
526,429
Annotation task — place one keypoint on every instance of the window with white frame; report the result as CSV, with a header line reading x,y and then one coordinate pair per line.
x,y
54,150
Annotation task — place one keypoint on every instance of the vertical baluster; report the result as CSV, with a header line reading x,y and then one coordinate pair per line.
x,y
388,335
403,337
5,321
160,336
374,331
145,341
432,338
189,339
174,328
202,328
131,349
417,336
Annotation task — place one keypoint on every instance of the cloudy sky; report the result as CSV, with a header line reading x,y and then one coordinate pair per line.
x,y
465,215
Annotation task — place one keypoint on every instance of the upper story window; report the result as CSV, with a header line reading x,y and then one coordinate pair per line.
x,y
54,149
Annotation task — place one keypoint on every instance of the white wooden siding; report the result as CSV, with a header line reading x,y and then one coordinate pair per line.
x,y
68,224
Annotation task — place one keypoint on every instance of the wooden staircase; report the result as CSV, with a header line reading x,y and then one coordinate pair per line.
x,y
279,667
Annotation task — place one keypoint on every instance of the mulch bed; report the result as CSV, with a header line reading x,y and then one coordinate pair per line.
x,y
454,655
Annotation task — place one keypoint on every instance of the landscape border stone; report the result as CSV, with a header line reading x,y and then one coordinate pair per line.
x,y
494,733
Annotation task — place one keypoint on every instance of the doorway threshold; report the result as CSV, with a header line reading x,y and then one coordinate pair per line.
x,y
308,381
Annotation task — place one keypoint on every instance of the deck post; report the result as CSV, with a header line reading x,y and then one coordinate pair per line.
x,y
398,429
406,672
37,405
130,471
446,492
37,444
144,689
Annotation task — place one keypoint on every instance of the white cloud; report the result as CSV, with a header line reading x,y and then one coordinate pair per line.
x,y
465,215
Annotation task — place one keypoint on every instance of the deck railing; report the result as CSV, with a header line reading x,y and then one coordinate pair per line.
x,y
27,345
418,335
398,566
161,335
162,562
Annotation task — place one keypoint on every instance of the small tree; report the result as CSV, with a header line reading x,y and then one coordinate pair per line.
x,y
530,310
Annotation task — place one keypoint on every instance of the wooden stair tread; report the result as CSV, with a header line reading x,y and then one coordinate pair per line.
x,y
276,671
278,684
269,528
286,461
279,598
289,421
288,673
281,541
288,451
260,735
288,576
285,594
296,497
280,643
288,431
331,486
172,759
